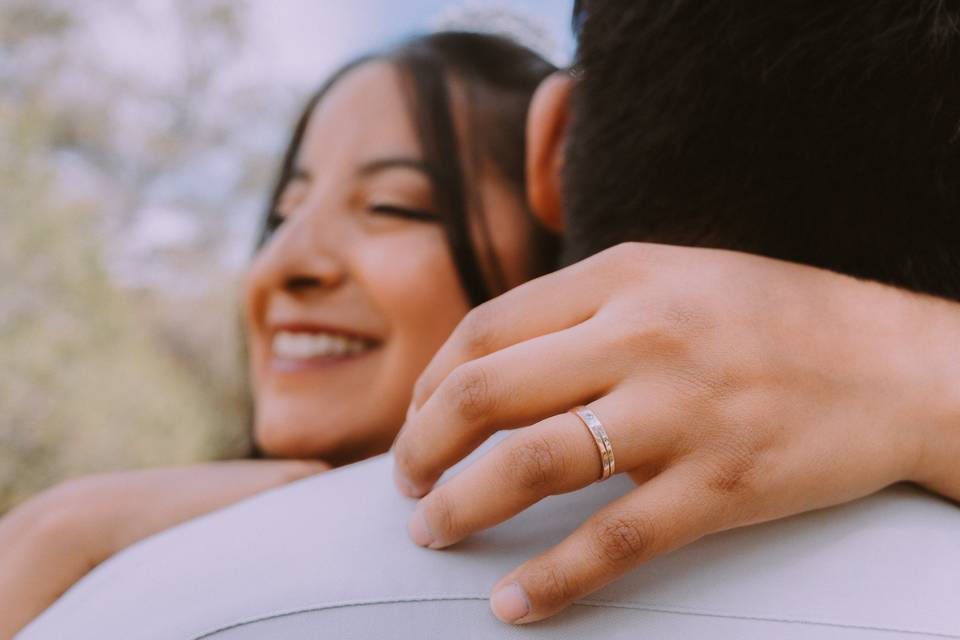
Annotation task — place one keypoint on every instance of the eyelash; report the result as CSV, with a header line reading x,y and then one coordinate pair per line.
x,y
275,219
404,212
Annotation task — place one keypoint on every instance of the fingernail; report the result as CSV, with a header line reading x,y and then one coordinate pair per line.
x,y
419,529
510,603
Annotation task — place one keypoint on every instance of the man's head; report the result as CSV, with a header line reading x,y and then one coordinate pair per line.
x,y
821,132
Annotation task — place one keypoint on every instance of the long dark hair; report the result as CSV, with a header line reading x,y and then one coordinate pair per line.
x,y
498,77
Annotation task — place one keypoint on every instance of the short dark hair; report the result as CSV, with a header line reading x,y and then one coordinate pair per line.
x,y
818,131
498,77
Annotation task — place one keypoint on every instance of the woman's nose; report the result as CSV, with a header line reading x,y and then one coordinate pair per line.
x,y
298,260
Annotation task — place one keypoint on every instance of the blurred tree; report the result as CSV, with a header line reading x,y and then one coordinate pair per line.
x,y
86,384
98,370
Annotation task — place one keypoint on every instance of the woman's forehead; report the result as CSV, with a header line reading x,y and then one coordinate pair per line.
x,y
364,114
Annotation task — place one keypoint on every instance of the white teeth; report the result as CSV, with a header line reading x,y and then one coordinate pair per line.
x,y
302,346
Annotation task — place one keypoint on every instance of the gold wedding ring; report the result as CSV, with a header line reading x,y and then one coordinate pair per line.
x,y
595,427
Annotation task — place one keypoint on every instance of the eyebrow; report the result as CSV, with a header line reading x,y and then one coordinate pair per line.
x,y
375,166
397,162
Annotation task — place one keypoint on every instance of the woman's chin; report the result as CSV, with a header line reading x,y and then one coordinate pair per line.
x,y
334,441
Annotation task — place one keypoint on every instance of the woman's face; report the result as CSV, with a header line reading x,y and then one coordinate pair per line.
x,y
356,290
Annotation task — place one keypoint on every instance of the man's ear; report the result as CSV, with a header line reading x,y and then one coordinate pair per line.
x,y
546,135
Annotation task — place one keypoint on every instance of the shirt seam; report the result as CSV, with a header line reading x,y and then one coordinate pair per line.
x,y
590,603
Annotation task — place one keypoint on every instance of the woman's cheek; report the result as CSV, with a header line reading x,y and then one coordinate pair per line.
x,y
411,279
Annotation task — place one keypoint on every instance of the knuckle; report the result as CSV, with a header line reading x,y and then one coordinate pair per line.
x,y
641,259
536,463
622,538
439,511
657,337
730,468
628,253
469,392
476,331
627,260
686,318
552,585
661,326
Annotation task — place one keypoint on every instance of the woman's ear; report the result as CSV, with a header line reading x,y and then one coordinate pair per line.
x,y
546,134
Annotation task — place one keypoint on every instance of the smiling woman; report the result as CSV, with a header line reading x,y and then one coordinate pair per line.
x,y
400,204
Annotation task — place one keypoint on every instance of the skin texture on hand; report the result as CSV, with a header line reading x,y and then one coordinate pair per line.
x,y
54,539
735,389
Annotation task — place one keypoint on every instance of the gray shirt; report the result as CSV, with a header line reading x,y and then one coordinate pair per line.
x,y
328,557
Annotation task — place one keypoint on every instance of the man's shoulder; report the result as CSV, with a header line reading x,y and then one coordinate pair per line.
x,y
331,553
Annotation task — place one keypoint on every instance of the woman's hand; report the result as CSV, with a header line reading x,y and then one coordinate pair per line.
x,y
54,539
735,389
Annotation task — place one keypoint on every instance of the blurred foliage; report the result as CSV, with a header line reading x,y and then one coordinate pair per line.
x,y
96,375
138,139
88,383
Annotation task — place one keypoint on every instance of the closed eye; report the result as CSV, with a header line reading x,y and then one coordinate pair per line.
x,y
404,212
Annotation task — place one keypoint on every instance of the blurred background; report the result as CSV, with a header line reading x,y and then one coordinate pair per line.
x,y
138,141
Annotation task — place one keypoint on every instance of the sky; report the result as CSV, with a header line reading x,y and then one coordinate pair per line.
x,y
288,47
298,42
305,35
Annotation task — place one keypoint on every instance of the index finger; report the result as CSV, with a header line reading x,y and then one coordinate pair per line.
x,y
665,513
550,303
